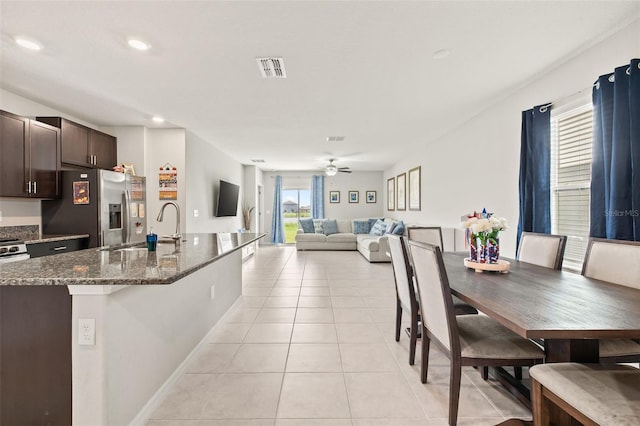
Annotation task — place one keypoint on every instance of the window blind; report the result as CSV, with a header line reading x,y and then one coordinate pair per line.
x,y
571,144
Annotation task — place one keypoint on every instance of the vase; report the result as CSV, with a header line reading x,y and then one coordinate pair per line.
x,y
482,252
493,250
473,251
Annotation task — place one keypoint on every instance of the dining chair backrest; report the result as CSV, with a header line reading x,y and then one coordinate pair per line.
x,y
426,234
545,250
614,261
402,271
434,294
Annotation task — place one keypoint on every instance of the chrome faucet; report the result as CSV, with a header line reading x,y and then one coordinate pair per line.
x,y
177,235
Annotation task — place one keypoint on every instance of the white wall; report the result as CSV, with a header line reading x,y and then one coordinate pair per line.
x,y
165,146
476,165
356,181
250,194
206,165
131,145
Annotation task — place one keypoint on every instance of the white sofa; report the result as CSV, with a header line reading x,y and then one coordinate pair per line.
x,y
345,239
374,248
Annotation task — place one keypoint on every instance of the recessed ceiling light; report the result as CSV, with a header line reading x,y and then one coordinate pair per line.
x,y
157,119
441,54
138,44
28,44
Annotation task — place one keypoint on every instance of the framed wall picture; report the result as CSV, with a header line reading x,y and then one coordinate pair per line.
x,y
401,199
371,197
334,197
391,194
354,196
414,188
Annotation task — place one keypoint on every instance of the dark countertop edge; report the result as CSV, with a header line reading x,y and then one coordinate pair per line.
x,y
39,281
51,238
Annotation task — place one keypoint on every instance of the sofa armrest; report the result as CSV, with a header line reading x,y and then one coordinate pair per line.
x,y
383,244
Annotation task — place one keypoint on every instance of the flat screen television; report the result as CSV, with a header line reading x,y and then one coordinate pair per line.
x,y
227,199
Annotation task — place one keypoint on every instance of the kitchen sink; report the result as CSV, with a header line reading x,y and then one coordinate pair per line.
x,y
132,249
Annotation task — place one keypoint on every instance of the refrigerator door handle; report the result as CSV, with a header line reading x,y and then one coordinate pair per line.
x,y
127,216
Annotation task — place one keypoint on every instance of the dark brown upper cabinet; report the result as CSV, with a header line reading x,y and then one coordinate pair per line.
x,y
29,158
83,146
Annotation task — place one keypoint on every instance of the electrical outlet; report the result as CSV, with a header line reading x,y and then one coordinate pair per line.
x,y
87,331
213,291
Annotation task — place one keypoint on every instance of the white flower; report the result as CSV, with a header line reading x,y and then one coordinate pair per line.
x,y
467,223
485,225
481,225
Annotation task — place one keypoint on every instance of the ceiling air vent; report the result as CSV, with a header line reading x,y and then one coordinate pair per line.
x,y
257,161
272,67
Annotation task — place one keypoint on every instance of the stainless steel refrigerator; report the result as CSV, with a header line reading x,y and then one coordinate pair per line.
x,y
109,206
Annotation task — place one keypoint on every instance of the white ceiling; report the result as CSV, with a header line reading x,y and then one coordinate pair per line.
x,y
363,70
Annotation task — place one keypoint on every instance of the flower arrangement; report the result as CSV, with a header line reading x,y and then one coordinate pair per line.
x,y
246,216
484,228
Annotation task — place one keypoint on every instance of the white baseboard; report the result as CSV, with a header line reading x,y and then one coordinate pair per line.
x,y
145,413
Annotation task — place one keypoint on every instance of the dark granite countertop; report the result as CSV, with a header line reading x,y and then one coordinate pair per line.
x,y
129,266
47,238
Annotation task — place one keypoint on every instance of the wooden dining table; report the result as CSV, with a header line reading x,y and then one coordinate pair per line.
x,y
569,311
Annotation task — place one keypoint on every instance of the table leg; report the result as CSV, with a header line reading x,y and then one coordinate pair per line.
x,y
572,350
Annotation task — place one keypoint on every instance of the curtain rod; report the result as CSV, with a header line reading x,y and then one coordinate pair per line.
x,y
566,98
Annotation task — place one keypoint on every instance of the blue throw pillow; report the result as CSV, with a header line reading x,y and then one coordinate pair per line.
x,y
390,227
373,222
307,225
330,226
361,227
399,229
379,228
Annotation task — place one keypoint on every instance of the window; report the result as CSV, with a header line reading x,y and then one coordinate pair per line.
x,y
571,142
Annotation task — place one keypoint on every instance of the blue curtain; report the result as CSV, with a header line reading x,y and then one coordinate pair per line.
x,y
615,167
317,197
535,160
277,226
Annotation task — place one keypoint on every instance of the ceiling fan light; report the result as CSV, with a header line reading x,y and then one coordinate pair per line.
x,y
331,170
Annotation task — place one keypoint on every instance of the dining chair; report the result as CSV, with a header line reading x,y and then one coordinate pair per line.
x,y
406,293
593,394
617,262
426,234
545,250
468,340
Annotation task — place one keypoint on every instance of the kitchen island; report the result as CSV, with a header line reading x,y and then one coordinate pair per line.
x,y
150,310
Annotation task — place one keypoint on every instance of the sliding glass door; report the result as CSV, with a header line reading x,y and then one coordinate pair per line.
x,y
296,203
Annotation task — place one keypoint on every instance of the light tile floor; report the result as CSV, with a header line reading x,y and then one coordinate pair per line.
x,y
311,342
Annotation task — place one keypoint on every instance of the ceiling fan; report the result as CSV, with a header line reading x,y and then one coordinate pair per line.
x,y
331,169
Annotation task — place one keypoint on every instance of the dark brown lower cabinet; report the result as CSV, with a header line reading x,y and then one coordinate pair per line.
x,y
35,355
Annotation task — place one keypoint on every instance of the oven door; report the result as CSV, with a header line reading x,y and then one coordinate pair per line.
x,y
14,258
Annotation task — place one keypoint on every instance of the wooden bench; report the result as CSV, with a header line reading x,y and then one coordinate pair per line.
x,y
593,394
